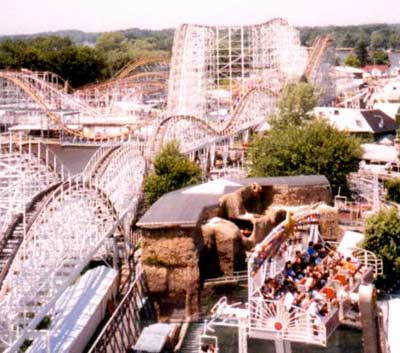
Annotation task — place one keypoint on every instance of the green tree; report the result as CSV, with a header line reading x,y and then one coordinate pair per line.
x,y
348,40
380,57
378,40
112,41
394,40
114,46
382,236
172,171
361,51
352,60
313,148
299,143
296,100
77,64
120,50
393,190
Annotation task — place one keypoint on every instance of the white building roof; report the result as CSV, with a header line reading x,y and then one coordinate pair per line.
x,y
349,241
344,119
357,120
216,187
379,153
391,109
348,70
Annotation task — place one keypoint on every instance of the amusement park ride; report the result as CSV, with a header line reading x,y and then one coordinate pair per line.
x,y
308,308
219,85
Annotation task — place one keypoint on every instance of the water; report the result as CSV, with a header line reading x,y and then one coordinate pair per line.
x,y
343,340
74,158
394,59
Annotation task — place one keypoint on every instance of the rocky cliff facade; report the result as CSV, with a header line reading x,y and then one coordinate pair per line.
x,y
170,259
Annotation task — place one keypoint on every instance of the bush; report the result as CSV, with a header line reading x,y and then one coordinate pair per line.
x,y
172,171
393,190
382,236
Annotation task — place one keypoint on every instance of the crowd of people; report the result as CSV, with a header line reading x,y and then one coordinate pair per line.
x,y
313,280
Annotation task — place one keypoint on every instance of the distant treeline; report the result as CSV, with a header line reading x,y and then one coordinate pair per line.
x,y
375,36
89,38
81,64
82,58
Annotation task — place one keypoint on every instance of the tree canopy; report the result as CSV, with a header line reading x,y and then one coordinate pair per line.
x,y
382,236
77,64
380,57
82,64
393,190
315,148
377,57
352,60
376,36
296,100
361,52
304,144
172,171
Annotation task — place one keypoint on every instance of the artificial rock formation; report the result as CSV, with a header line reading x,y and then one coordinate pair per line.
x,y
223,239
170,260
234,204
177,257
264,224
300,195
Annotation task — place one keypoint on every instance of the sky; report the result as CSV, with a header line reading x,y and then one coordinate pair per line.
x,y
31,16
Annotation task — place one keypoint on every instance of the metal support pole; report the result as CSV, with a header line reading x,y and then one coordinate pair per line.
x,y
115,253
375,199
243,336
282,346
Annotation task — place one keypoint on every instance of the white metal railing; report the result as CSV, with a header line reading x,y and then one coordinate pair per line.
x,y
97,158
239,276
368,259
364,257
71,227
26,169
279,322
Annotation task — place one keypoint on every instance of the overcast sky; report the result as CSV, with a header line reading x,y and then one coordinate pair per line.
x,y
30,16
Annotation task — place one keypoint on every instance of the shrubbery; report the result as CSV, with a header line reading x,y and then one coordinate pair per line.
x,y
172,171
382,236
393,190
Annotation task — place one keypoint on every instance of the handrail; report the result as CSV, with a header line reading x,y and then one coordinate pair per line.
x,y
287,323
125,319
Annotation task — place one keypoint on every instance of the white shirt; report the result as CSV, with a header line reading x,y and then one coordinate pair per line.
x,y
288,301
